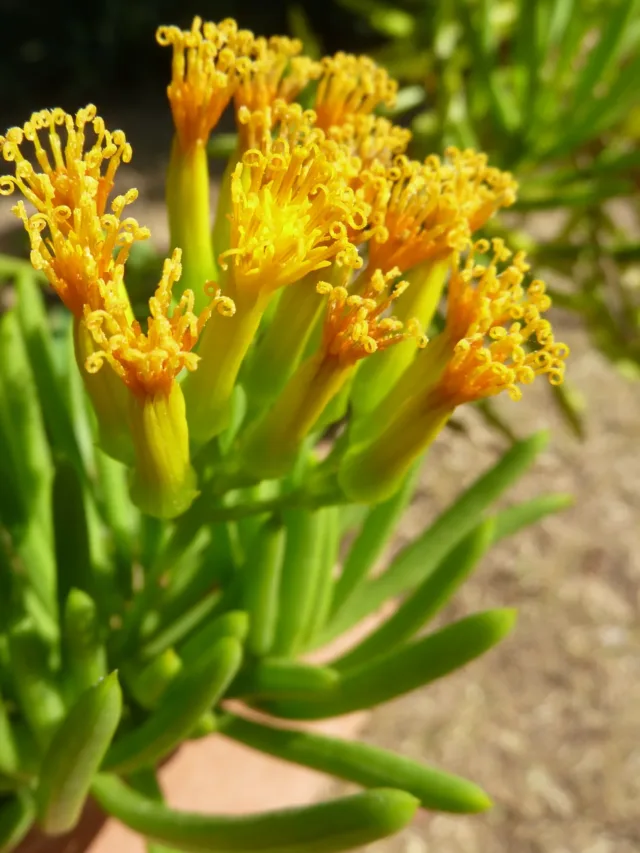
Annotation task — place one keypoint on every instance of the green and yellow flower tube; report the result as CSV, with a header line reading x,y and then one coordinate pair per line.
x,y
495,340
354,328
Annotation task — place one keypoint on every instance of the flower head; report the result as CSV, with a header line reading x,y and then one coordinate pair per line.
x,y
149,362
432,208
373,139
494,324
291,204
80,157
208,63
351,85
355,325
277,73
81,253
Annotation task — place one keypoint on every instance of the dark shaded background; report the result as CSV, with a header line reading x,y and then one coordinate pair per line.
x,y
66,53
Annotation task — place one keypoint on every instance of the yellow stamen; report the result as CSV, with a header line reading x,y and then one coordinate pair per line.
x,y
355,327
148,363
71,167
371,138
434,207
481,189
277,73
291,205
490,319
351,85
483,350
208,63
81,253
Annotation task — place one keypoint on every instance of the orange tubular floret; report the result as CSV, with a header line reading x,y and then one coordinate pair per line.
x,y
351,85
291,203
277,73
354,326
499,338
209,61
434,207
82,254
69,165
149,363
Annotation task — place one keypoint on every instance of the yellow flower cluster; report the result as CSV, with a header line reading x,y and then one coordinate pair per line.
x,y
320,212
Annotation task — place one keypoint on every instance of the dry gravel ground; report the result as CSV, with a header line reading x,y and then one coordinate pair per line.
x,y
549,722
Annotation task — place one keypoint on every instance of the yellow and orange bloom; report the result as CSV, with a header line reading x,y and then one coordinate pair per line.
x,y
82,250
148,363
431,211
351,85
355,327
291,211
80,156
207,66
208,63
321,212
79,247
277,73
495,340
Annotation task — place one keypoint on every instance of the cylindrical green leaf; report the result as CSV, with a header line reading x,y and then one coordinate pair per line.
x,y
16,818
40,699
425,601
71,534
206,725
235,623
185,624
150,684
358,762
344,824
75,754
299,578
34,323
514,518
405,669
27,452
283,678
322,595
9,757
261,580
420,557
85,657
378,527
192,693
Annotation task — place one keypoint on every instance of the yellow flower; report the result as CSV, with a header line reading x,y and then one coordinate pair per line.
x,y
351,85
495,340
277,73
373,139
163,483
79,247
490,319
291,205
355,327
208,62
291,214
148,363
71,167
435,206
